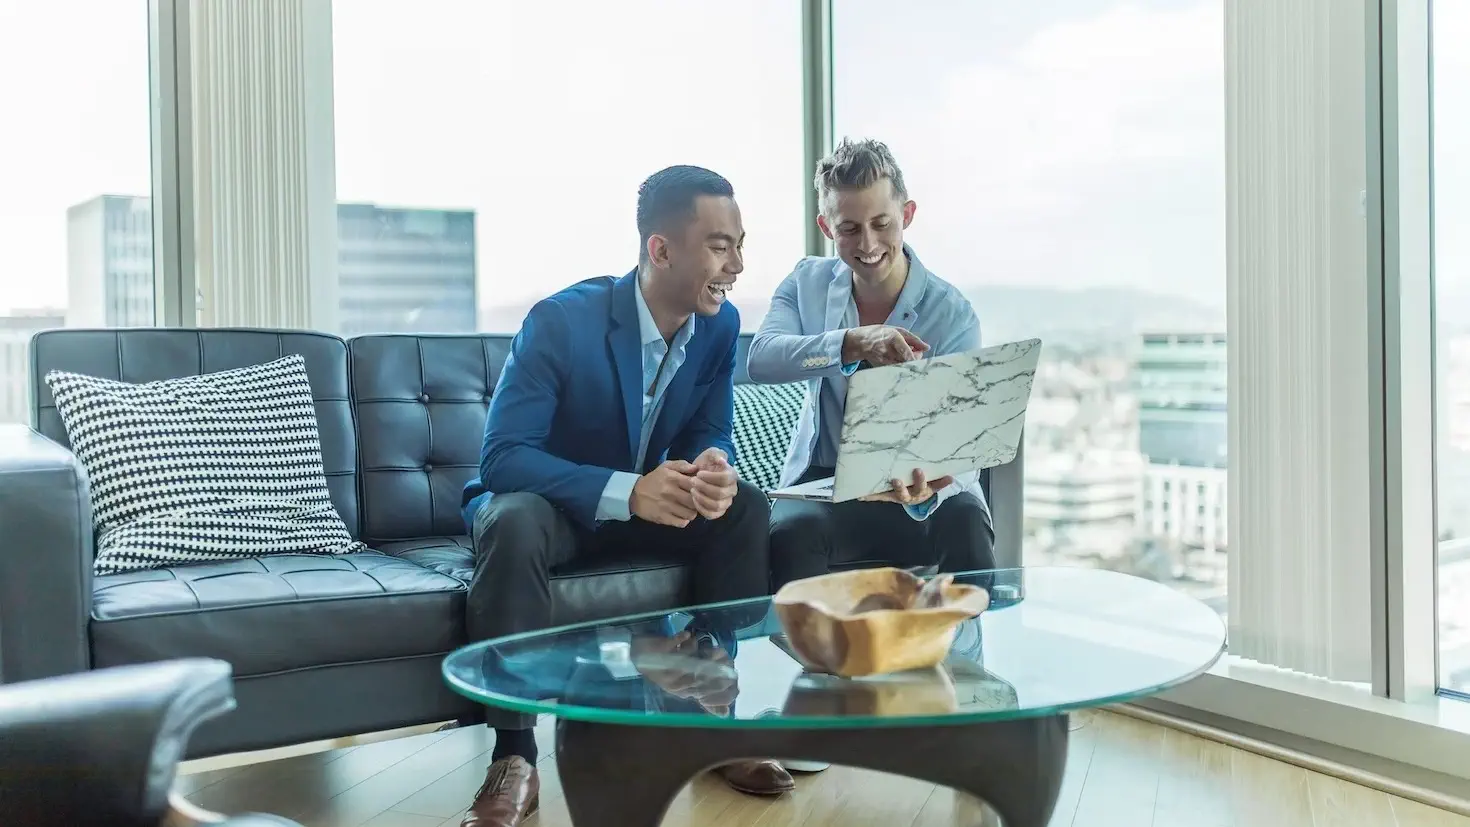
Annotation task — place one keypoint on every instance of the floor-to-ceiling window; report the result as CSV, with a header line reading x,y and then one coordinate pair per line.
x,y
1068,162
489,154
75,222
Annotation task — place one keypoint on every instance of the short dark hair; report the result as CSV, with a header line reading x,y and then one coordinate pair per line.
x,y
666,200
856,165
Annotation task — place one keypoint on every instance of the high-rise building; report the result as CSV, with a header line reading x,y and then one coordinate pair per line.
x,y
1084,501
405,270
1453,447
399,270
109,262
1454,379
1182,433
15,362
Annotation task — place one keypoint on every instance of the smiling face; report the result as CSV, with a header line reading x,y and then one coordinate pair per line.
x,y
867,227
698,263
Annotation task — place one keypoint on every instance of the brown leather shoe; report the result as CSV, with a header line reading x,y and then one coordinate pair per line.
x,y
757,777
511,792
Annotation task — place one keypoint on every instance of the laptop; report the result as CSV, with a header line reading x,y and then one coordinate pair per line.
x,y
945,415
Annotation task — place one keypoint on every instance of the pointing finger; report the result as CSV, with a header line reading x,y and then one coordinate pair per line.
x,y
902,350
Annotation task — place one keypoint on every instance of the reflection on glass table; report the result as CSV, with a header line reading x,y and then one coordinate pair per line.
x,y
674,693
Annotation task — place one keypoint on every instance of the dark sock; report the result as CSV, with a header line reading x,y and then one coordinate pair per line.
x,y
510,742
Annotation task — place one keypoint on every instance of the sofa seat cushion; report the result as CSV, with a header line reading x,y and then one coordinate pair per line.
x,y
271,614
449,556
590,589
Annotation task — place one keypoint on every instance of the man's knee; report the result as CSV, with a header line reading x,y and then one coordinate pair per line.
x,y
965,511
750,505
801,525
964,520
516,521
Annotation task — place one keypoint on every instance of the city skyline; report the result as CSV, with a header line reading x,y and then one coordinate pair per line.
x,y
385,115
399,269
978,224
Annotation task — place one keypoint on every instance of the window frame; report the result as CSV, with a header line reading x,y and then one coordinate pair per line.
x,y
1402,251
175,288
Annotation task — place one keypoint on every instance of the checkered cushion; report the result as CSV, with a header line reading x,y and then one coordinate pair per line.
x,y
765,416
213,467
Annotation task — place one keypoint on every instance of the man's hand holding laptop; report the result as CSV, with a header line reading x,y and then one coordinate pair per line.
x,y
919,491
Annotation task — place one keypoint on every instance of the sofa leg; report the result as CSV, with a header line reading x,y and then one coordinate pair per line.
x,y
462,721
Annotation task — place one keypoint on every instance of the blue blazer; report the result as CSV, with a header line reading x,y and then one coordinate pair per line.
x,y
567,409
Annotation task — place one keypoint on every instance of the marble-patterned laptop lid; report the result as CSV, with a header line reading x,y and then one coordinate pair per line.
x,y
944,415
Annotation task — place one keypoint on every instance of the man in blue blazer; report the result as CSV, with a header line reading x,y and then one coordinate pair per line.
x,y
873,304
608,433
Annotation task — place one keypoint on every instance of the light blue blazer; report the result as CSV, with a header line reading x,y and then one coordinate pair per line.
x,y
801,340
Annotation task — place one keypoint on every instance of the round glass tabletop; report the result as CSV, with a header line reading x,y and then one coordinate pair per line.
x,y
1053,640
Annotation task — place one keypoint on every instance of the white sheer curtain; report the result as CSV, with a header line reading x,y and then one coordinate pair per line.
x,y
1299,574
264,177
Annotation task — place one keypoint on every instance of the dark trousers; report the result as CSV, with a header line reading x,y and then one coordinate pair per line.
x,y
807,537
520,538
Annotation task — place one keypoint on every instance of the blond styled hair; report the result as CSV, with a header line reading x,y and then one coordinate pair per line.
x,y
856,165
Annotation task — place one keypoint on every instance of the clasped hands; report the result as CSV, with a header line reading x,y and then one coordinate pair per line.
x,y
676,492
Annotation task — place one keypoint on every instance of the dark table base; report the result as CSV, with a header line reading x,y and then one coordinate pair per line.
x,y
625,776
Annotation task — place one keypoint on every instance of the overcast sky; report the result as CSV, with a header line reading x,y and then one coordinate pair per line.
x,y
1065,143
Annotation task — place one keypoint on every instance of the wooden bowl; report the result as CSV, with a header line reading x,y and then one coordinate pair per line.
x,y
874,621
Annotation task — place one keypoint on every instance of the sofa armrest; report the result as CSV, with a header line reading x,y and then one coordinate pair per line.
x,y
1006,495
45,558
103,747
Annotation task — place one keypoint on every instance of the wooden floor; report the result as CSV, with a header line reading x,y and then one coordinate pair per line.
x,y
1121,772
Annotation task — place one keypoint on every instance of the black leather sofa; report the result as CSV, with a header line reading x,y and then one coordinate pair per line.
x,y
101,748
321,647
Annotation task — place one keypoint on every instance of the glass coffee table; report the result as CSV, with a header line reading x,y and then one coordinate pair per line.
x,y
646,703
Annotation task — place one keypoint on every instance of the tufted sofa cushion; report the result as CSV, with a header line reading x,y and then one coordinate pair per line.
x,y
274,614
421,404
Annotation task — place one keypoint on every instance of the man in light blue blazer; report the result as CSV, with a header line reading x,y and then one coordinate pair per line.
x,y
610,433
874,304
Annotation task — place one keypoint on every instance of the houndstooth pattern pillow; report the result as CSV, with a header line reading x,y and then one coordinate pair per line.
x,y
221,466
765,416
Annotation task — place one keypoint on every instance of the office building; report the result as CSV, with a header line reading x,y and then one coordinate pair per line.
x,y
405,270
15,338
1453,446
1455,380
1180,381
1083,502
399,270
109,262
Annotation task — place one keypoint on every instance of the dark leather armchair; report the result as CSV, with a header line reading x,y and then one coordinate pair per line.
x,y
102,748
